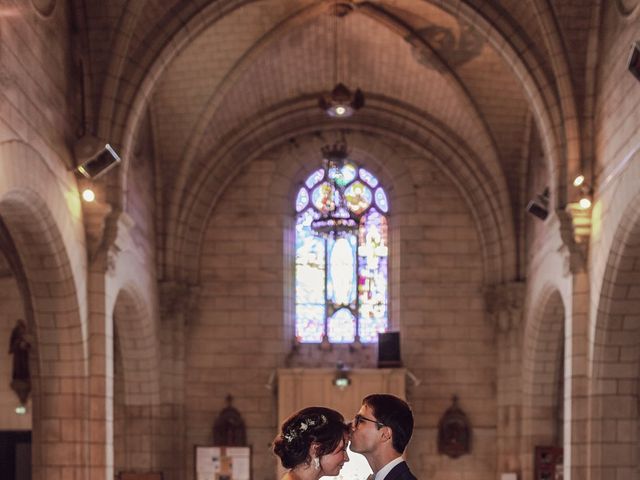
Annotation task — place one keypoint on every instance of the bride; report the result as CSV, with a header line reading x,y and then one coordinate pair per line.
x,y
312,443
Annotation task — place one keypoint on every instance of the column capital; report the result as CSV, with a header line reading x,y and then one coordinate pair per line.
x,y
505,303
575,232
108,233
95,216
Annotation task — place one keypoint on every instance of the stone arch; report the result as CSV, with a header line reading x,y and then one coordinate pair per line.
x,y
40,220
136,380
137,338
502,35
25,174
61,347
543,375
615,367
483,193
394,24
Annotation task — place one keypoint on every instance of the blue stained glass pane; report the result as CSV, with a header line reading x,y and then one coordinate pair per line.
x,y
372,276
322,197
302,200
349,172
341,284
358,197
368,177
341,327
309,323
314,178
309,284
381,200
310,260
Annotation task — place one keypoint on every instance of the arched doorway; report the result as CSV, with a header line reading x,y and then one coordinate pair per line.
x,y
543,379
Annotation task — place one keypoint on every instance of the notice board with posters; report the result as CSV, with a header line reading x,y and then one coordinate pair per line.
x,y
222,463
548,463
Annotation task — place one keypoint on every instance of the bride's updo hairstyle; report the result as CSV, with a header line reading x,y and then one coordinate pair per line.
x,y
319,425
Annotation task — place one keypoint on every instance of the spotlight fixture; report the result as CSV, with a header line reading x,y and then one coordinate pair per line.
x,y
88,195
341,102
94,157
585,202
585,191
634,60
539,206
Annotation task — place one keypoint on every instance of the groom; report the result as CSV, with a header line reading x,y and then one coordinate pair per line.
x,y
380,431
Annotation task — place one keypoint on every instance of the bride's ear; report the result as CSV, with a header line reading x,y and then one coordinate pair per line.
x,y
313,449
313,455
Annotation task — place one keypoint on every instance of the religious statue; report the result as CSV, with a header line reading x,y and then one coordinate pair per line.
x,y
454,432
229,429
19,346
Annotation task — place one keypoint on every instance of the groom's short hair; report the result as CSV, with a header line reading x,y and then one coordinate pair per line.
x,y
395,413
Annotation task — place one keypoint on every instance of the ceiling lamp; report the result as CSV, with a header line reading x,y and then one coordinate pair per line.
x,y
341,102
335,219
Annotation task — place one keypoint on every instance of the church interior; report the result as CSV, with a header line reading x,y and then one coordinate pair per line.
x,y
212,206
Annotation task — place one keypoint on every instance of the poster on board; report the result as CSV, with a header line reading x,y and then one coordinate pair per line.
x,y
222,463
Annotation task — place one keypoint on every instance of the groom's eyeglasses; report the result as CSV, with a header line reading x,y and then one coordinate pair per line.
x,y
358,419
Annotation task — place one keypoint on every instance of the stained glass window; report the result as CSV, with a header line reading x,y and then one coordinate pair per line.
x,y
341,287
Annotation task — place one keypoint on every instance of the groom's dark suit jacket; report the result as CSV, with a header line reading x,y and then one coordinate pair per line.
x,y
400,472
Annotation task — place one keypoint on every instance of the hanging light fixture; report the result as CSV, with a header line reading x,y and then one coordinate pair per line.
x,y
341,102
336,219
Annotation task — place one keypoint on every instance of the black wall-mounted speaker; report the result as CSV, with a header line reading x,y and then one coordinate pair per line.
x,y
389,350
94,157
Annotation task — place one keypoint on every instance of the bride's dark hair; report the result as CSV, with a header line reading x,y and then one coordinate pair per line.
x,y
320,425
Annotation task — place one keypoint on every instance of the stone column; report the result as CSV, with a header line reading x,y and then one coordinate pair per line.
x,y
100,345
505,309
177,305
575,231
106,232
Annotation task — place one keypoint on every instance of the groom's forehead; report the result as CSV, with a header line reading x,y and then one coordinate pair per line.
x,y
365,410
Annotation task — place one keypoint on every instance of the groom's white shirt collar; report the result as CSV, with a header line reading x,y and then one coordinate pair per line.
x,y
387,468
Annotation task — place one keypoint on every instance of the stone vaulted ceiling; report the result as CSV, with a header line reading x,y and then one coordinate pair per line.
x,y
216,80
265,54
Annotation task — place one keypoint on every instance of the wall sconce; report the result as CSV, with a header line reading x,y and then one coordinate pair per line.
x,y
539,206
585,192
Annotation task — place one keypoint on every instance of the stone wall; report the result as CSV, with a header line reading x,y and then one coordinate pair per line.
x,y
239,336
